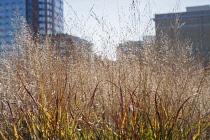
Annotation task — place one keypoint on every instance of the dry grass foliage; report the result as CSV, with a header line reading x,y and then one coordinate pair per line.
x,y
164,94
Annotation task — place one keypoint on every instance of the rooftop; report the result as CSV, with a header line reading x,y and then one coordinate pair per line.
x,y
192,12
198,8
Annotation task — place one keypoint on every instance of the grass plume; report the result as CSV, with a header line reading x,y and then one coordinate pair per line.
x,y
163,94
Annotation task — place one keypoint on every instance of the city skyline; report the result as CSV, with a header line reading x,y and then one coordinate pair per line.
x,y
117,13
107,23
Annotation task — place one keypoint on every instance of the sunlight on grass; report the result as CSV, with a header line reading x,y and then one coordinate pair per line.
x,y
162,94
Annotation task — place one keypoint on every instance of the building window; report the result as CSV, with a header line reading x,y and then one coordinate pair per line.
x,y
49,7
41,6
49,31
42,12
49,13
41,25
42,32
49,25
49,19
42,19
42,1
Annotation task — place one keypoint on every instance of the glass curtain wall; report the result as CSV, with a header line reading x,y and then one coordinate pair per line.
x,y
43,16
50,16
8,16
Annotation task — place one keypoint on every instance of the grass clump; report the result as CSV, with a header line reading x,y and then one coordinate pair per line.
x,y
163,94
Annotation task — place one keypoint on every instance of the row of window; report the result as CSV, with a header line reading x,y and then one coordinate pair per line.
x,y
5,28
43,1
7,33
10,2
7,38
10,14
43,13
188,26
12,7
5,21
182,16
8,21
60,2
44,19
43,25
49,6
43,31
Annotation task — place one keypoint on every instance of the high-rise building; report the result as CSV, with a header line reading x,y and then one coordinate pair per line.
x,y
194,24
43,17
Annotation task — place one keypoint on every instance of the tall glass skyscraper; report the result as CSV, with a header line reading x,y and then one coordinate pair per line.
x,y
43,17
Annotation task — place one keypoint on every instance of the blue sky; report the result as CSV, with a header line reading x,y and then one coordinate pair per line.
x,y
108,22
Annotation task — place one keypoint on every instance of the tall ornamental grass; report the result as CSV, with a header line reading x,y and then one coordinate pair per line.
x,y
161,94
